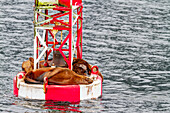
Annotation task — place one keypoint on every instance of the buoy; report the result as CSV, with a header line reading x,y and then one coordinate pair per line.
x,y
70,93
51,16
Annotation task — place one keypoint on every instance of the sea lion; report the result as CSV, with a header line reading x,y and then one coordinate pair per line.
x,y
60,76
28,65
82,67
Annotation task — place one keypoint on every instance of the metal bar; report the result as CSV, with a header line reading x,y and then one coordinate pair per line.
x,y
43,14
65,58
77,32
45,48
53,36
81,9
45,27
37,49
44,33
45,7
60,48
71,36
81,53
65,40
50,42
75,20
35,55
44,21
70,43
60,27
64,14
57,14
41,55
61,21
35,38
46,37
61,37
57,49
59,8
41,40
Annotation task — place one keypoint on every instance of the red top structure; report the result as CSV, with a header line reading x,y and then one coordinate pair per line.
x,y
58,27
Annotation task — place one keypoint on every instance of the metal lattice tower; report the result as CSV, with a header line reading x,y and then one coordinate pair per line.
x,y
58,27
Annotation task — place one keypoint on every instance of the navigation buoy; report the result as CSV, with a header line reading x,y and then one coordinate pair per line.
x,y
53,19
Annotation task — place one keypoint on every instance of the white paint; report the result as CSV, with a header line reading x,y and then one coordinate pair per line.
x,y
45,48
90,91
93,76
31,91
35,47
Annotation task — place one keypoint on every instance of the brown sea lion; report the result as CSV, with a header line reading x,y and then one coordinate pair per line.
x,y
60,76
28,65
82,67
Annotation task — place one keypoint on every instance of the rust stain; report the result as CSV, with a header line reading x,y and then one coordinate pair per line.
x,y
93,98
89,89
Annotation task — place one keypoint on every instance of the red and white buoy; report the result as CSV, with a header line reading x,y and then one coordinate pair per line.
x,y
51,18
70,93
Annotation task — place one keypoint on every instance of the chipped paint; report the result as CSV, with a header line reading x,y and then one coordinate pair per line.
x,y
89,90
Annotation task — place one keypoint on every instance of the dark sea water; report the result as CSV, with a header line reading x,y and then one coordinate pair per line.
x,y
129,40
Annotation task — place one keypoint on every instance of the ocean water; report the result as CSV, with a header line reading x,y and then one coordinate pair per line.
x,y
129,40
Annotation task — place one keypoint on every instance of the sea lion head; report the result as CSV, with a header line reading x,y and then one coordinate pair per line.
x,y
81,67
28,65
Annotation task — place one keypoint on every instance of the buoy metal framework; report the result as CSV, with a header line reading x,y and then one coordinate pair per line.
x,y
58,27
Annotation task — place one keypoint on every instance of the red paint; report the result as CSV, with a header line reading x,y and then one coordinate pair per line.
x,y
67,2
20,77
15,89
60,48
70,40
22,73
45,64
59,8
70,93
61,27
63,14
93,71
